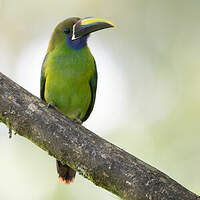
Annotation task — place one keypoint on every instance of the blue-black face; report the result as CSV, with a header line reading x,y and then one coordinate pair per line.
x,y
76,44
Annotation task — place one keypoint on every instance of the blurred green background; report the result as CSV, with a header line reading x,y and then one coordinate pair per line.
x,y
148,97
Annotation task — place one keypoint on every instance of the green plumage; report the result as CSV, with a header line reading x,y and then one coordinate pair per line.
x,y
69,79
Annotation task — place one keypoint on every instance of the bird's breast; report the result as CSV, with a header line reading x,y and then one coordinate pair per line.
x,y
67,84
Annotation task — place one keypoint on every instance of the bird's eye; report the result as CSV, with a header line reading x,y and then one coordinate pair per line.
x,y
66,30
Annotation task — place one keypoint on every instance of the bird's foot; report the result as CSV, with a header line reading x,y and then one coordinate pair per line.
x,y
78,121
52,105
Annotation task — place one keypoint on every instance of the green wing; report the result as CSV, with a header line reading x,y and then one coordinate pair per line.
x,y
93,87
42,80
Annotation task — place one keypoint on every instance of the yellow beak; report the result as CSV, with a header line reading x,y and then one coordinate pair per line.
x,y
88,25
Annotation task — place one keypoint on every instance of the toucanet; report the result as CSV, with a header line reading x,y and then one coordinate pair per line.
x,y
69,76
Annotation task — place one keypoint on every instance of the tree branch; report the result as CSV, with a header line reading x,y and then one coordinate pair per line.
x,y
101,162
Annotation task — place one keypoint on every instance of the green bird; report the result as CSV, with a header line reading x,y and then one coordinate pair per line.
x,y
69,76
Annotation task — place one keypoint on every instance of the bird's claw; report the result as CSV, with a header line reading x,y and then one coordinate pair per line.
x,y
78,121
51,105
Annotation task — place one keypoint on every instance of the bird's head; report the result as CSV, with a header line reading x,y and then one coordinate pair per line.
x,y
76,31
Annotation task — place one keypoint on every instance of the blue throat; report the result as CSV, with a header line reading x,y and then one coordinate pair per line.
x,y
78,43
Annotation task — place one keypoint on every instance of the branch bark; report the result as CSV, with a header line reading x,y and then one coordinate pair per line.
x,y
96,159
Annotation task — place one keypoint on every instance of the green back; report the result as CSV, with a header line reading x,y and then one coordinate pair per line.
x,y
93,87
42,80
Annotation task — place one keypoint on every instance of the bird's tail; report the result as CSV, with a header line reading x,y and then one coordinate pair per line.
x,y
66,174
